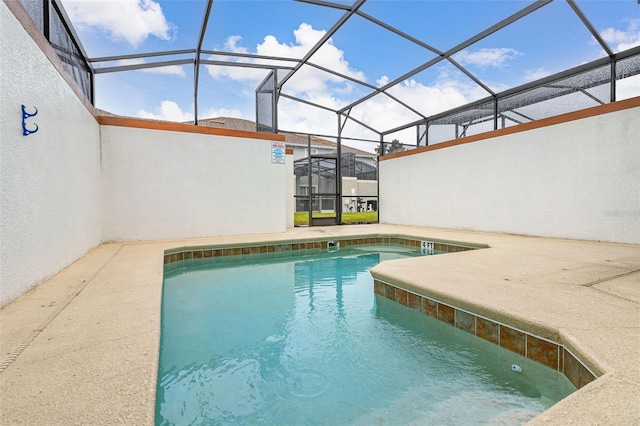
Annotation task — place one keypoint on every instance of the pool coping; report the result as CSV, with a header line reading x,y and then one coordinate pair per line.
x,y
82,347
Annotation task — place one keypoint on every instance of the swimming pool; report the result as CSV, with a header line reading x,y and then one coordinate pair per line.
x,y
303,340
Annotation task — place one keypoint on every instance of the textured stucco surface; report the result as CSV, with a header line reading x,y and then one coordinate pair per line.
x,y
74,184
49,180
577,179
83,347
163,184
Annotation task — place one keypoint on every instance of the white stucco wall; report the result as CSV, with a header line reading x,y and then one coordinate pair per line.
x,y
579,179
163,184
49,180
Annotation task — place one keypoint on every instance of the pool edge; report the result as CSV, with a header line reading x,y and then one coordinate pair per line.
x,y
103,395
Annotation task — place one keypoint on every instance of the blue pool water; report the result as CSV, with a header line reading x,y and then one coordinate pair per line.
x,y
304,341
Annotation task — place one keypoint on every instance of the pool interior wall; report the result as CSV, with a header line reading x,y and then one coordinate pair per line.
x,y
544,351
193,301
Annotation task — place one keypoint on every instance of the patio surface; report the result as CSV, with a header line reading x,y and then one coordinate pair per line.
x,y
82,348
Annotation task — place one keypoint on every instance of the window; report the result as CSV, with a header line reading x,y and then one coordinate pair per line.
x,y
328,203
304,189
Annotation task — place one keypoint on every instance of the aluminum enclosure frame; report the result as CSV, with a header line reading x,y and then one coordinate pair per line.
x,y
290,66
282,69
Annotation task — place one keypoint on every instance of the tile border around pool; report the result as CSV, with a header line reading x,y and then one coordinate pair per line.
x,y
184,257
547,352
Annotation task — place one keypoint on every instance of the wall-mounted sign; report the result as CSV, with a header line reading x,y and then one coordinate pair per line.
x,y
277,152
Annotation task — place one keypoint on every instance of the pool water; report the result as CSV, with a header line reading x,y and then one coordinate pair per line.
x,y
304,341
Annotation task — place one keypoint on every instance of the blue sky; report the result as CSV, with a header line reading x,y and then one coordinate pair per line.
x,y
548,41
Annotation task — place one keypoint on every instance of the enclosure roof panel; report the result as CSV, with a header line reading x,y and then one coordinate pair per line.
x,y
375,64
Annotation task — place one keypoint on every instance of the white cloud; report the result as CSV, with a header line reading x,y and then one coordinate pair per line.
x,y
249,76
170,70
382,81
318,87
305,118
494,57
307,80
430,100
167,111
380,112
130,20
177,70
623,39
537,74
171,111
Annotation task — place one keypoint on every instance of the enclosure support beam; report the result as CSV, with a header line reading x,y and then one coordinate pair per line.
x,y
339,172
196,64
46,20
612,86
323,40
274,99
590,27
310,181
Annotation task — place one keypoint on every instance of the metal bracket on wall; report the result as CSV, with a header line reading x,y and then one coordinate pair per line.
x,y
25,115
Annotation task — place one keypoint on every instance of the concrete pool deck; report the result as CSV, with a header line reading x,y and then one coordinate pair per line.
x,y
82,348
